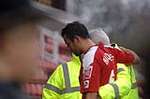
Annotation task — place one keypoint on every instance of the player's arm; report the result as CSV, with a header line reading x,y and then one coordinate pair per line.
x,y
126,56
90,96
136,57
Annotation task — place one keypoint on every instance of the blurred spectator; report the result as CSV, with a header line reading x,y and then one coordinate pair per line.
x,y
19,46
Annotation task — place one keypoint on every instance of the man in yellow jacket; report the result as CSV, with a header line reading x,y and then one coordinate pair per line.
x,y
64,82
124,87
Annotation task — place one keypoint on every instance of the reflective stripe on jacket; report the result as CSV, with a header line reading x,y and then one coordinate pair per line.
x,y
124,87
64,82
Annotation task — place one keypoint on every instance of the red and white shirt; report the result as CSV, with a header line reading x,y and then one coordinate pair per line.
x,y
99,66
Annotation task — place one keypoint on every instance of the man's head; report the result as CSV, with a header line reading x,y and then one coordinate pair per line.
x,y
19,35
98,35
16,12
74,35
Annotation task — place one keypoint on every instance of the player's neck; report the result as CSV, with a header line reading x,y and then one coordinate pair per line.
x,y
86,45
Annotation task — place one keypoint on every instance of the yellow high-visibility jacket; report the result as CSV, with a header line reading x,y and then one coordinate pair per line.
x,y
64,83
124,87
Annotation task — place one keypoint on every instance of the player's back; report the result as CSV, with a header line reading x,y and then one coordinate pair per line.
x,y
99,68
106,60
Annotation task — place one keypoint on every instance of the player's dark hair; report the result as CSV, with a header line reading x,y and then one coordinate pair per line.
x,y
75,29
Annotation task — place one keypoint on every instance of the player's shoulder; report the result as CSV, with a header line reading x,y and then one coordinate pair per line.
x,y
92,50
88,57
108,46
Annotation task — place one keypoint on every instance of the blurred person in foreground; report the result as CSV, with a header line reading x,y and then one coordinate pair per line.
x,y
64,82
19,46
98,63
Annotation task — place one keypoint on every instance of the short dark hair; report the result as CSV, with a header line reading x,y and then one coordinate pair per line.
x,y
75,29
